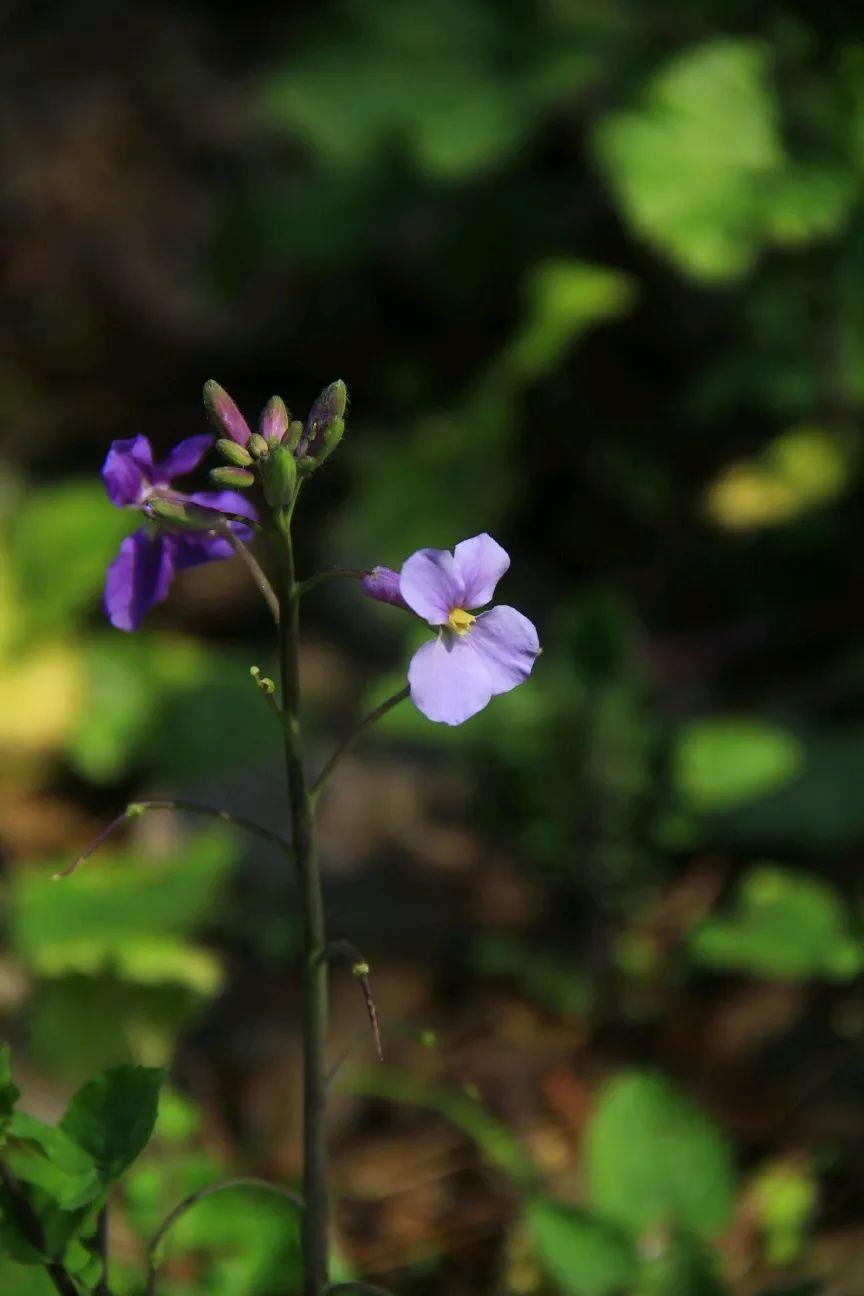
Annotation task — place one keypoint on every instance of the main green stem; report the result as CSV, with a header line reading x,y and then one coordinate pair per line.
x,y
315,1220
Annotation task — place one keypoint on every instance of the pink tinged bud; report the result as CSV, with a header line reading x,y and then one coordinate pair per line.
x,y
225,414
382,583
274,420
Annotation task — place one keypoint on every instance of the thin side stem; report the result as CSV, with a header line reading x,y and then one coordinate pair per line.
x,y
360,971
333,573
256,571
315,1228
102,1237
349,742
192,1200
136,808
32,1230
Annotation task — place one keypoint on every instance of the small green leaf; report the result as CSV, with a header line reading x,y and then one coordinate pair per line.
x,y
653,1159
584,1256
112,1117
785,924
47,1158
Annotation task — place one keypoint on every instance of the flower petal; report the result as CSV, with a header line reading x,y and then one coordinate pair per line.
x,y
225,501
506,643
449,683
128,470
382,583
192,548
481,562
139,577
184,458
431,585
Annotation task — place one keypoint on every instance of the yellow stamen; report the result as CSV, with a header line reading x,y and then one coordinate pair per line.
x,y
460,620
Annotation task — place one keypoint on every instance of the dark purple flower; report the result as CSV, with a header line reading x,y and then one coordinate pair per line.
x,y
473,657
141,574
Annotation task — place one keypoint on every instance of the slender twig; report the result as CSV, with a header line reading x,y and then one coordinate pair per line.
x,y
192,1200
32,1230
387,705
334,573
360,970
102,1240
256,571
136,808
315,1241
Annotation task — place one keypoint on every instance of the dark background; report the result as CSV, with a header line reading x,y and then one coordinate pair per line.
x,y
594,275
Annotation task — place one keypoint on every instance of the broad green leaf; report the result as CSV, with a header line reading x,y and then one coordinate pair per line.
x,y
45,1157
582,1254
117,915
784,924
654,1160
722,761
112,1117
14,1278
690,164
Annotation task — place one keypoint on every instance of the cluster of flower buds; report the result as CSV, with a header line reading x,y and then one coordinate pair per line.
x,y
282,449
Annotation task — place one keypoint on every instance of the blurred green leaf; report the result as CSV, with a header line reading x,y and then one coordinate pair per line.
x,y
786,1196
684,1268
125,915
63,539
652,1159
24,1282
583,1255
112,1117
563,299
454,90
122,687
690,165
9,1092
784,924
557,985
721,761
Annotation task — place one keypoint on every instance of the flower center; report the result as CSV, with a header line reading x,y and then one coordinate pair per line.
x,y
460,620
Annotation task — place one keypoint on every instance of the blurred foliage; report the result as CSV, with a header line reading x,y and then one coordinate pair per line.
x,y
594,274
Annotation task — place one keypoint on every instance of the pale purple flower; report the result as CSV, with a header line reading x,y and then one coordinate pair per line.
x,y
474,657
141,574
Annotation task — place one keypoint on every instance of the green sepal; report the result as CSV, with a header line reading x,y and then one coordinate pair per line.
x,y
235,454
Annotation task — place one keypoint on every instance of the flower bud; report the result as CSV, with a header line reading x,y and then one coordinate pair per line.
x,y
293,435
274,420
176,513
236,478
257,446
279,476
327,409
236,454
225,414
